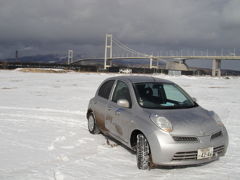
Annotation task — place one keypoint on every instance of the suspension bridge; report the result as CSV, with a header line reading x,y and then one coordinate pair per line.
x,y
129,53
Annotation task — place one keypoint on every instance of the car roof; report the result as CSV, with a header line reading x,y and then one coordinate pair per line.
x,y
139,79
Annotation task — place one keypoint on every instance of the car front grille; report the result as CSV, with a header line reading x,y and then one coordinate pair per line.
x,y
183,139
218,150
192,155
216,135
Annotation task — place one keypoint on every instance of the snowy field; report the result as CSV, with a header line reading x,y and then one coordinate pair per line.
x,y
43,129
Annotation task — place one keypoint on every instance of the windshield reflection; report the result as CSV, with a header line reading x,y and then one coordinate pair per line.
x,y
162,96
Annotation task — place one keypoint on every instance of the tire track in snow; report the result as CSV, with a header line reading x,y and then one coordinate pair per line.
x,y
60,160
19,117
43,110
48,115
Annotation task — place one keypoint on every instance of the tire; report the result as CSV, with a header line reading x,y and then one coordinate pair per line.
x,y
92,125
143,152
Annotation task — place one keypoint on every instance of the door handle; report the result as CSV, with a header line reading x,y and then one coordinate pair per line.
x,y
109,108
117,112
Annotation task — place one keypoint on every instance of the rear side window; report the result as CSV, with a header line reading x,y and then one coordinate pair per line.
x,y
105,89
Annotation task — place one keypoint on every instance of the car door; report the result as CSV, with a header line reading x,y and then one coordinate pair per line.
x,y
118,118
101,101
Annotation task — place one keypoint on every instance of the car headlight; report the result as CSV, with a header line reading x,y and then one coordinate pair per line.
x,y
216,118
161,122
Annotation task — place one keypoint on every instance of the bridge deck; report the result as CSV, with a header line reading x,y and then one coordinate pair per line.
x,y
168,57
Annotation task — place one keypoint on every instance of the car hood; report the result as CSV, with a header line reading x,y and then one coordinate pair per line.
x,y
193,121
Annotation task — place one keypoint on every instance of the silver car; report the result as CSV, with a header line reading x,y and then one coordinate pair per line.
x,y
158,120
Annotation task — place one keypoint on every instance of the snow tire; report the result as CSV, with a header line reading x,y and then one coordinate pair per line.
x,y
142,152
92,125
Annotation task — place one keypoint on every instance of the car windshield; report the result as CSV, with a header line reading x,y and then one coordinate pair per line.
x,y
162,96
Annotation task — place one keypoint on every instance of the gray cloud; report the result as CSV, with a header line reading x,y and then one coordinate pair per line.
x,y
45,26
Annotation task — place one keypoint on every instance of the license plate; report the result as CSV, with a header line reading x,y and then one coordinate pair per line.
x,y
205,153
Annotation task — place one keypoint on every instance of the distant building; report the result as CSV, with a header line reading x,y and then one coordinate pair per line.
x,y
125,70
174,73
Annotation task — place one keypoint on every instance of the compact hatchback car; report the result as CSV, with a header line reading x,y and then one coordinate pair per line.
x,y
158,120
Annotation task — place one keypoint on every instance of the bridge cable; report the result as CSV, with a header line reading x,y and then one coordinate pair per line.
x,y
126,48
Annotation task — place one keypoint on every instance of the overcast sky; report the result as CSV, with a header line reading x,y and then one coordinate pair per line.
x,y
53,26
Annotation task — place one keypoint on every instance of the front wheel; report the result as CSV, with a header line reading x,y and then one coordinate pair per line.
x,y
143,152
92,125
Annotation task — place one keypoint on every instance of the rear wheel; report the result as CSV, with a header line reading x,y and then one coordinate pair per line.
x,y
92,125
142,152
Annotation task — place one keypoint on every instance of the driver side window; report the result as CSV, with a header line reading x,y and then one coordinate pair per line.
x,y
121,92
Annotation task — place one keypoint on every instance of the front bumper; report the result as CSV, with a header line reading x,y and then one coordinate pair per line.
x,y
166,151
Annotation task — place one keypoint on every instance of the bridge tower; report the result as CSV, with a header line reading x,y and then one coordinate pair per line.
x,y
16,55
70,56
108,50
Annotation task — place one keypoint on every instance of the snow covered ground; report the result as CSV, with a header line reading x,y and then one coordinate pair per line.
x,y
43,129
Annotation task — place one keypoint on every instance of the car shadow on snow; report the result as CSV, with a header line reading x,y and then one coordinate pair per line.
x,y
113,143
180,166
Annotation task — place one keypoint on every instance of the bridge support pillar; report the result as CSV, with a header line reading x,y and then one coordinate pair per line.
x,y
150,65
216,67
108,50
183,61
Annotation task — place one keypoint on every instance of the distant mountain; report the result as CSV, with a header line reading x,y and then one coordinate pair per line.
x,y
131,63
50,58
54,58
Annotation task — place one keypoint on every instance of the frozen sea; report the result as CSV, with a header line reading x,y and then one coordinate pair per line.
x,y
44,135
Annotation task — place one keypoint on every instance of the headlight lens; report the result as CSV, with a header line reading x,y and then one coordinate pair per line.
x,y
216,118
161,122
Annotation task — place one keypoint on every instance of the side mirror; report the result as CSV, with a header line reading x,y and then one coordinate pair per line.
x,y
194,99
123,103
